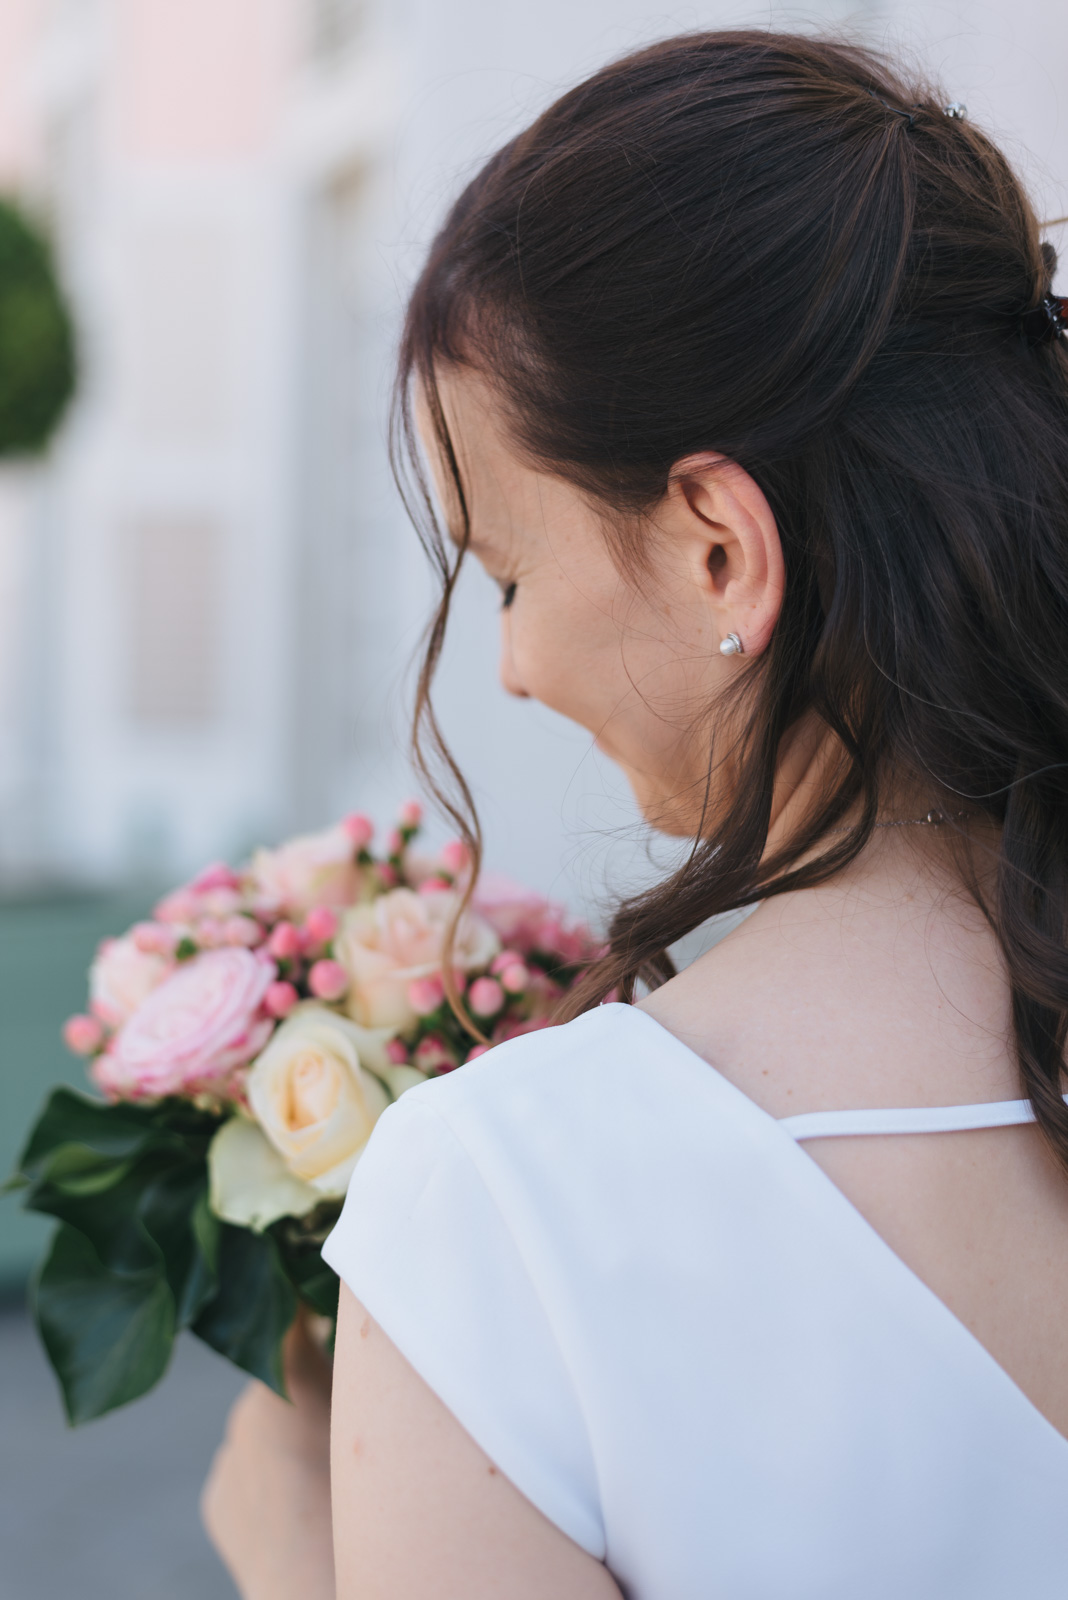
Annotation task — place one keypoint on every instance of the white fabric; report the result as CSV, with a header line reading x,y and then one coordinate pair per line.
x,y
665,1324
909,1119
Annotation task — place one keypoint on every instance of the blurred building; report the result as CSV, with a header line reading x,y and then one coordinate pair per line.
x,y
208,593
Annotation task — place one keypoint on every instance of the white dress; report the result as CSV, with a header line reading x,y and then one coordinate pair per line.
x,y
679,1339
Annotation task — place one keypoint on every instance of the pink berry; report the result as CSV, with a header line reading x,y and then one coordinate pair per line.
x,y
388,875
328,980
477,1050
217,876
433,1055
394,843
320,925
397,1051
434,885
83,1035
485,997
360,829
244,931
515,978
411,814
425,995
455,857
280,1000
507,958
285,942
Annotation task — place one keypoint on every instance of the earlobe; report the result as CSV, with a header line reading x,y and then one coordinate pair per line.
x,y
735,530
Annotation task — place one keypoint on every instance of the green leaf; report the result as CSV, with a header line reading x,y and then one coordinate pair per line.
x,y
105,1135
168,1207
83,1145
248,1317
300,1243
108,1335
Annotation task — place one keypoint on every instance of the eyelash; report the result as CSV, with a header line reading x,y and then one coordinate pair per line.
x,y
507,595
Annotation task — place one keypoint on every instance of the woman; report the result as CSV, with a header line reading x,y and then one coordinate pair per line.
x,y
740,373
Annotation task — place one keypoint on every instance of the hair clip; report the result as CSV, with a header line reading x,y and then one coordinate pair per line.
x,y
897,110
956,111
1046,321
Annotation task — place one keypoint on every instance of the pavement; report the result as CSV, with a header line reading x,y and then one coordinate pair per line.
x,y
108,1511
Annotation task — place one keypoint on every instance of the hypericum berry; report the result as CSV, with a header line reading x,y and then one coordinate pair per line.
x,y
83,1035
328,980
485,997
280,1000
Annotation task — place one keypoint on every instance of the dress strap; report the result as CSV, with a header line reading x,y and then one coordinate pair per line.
x,y
910,1119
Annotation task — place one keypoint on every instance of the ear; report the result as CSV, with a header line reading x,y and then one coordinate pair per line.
x,y
731,544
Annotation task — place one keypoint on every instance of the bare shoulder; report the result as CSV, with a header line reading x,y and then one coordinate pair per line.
x,y
850,999
419,1509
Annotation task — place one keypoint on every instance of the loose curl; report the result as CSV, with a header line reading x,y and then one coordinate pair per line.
x,y
736,242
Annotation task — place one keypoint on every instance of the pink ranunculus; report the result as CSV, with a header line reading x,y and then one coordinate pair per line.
x,y
194,1030
121,979
398,938
317,869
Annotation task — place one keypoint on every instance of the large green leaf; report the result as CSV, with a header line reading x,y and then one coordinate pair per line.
x,y
108,1335
84,1145
300,1243
249,1315
170,1208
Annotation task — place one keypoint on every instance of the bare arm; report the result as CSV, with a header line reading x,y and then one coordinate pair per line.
x,y
420,1512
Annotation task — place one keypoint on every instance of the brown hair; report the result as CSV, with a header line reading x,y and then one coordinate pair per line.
x,y
775,248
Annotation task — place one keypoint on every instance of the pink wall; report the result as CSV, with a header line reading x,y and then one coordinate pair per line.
x,y
18,25
199,80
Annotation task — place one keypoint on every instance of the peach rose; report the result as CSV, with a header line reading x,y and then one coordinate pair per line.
x,y
317,869
397,939
121,979
193,1030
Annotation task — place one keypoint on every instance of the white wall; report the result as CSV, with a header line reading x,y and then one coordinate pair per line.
x,y
240,302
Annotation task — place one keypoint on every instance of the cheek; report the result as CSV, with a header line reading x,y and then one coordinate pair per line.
x,y
555,648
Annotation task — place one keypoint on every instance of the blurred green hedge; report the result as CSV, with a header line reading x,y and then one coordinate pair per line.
x,y
37,357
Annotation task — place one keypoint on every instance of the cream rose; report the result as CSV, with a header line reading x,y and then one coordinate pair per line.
x,y
386,945
315,1093
249,1183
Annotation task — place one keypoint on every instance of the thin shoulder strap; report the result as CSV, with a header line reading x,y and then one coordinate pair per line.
x,y
909,1119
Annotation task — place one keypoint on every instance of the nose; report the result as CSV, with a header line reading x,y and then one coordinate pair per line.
x,y
511,682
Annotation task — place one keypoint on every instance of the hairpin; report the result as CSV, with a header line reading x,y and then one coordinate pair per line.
x,y
1046,321
956,111
897,110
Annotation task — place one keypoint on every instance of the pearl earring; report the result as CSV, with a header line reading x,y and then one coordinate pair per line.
x,y
731,646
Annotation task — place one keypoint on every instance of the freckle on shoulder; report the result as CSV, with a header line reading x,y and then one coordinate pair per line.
x,y
365,1327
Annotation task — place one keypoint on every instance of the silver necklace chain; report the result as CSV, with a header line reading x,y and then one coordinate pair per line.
x,y
934,819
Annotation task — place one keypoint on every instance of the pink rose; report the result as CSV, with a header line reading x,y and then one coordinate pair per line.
x,y
526,921
215,892
398,938
192,1031
121,979
513,912
318,869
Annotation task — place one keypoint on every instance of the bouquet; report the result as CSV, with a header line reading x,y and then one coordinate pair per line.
x,y
244,1042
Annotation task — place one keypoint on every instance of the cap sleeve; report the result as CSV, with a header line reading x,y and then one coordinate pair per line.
x,y
423,1246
